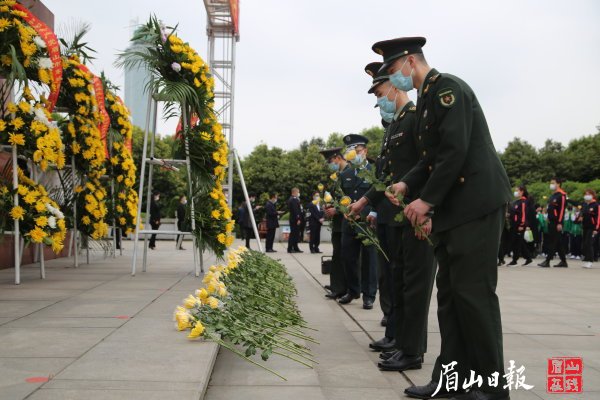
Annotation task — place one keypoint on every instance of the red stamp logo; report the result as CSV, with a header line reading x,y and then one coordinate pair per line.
x,y
565,375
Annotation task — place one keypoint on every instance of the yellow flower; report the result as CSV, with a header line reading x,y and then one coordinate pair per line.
x,y
2,125
320,187
202,294
25,107
16,139
4,23
333,176
221,238
351,155
345,201
86,220
328,198
17,212
37,234
197,330
213,302
216,214
190,302
41,221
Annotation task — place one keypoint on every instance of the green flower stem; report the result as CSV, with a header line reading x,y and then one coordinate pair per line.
x,y
292,358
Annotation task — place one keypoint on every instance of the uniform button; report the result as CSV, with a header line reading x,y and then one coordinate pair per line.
x,y
430,168
390,162
419,137
388,151
426,126
424,152
355,191
462,179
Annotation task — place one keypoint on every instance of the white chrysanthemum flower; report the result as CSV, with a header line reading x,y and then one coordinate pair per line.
x,y
39,42
52,222
45,63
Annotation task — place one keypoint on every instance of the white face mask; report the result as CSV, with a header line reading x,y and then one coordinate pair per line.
x,y
588,197
183,201
516,194
553,186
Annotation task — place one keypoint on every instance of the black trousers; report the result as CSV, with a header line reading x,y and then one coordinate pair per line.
x,y
180,228
555,243
518,245
468,307
337,276
575,245
270,238
588,244
248,235
385,234
153,236
294,236
315,236
360,264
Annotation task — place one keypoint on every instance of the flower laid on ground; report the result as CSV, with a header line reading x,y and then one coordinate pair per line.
x,y
249,303
29,126
40,218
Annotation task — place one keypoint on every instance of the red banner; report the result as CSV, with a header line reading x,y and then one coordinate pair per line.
x,y
234,6
99,91
128,142
179,128
53,51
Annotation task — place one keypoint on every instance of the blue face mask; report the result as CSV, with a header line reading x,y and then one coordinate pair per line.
x,y
334,166
404,83
387,116
358,159
387,105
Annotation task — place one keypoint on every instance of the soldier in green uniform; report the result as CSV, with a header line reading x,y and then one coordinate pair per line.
x,y
360,277
413,261
337,279
466,189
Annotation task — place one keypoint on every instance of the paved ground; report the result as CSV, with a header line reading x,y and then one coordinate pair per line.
x,y
98,333
546,313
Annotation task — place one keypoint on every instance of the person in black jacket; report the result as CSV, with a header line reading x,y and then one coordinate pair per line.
x,y
518,224
556,213
181,225
247,220
590,219
272,221
154,217
315,221
295,219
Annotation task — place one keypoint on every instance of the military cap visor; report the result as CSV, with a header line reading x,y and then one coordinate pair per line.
x,y
329,153
377,82
393,49
354,140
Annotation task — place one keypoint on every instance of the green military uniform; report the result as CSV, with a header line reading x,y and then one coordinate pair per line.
x,y
414,265
337,280
464,181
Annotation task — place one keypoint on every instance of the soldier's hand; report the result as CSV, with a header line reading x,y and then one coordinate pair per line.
x,y
357,207
559,227
372,220
416,212
330,212
425,230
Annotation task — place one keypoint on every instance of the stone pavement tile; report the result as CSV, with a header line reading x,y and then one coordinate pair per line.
x,y
28,293
160,386
139,281
349,374
49,283
14,372
34,321
107,307
586,395
22,308
264,393
49,342
332,393
137,361
547,328
140,394
5,320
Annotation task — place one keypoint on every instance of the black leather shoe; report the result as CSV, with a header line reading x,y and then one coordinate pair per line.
x,y
298,251
271,251
479,395
528,261
318,251
333,296
327,287
426,391
501,262
401,362
347,298
544,264
385,344
386,355
513,262
368,304
562,264
384,320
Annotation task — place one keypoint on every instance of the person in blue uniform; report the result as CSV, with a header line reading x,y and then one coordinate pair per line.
x,y
272,217
315,222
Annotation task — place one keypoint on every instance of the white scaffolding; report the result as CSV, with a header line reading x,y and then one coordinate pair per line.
x,y
222,33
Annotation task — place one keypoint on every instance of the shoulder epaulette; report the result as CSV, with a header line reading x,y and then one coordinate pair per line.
x,y
412,108
434,78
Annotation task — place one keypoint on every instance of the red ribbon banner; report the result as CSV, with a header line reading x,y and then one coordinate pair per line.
x,y
53,51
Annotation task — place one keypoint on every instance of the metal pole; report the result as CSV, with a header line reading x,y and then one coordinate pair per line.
x,y
248,205
16,233
141,189
75,232
149,191
231,143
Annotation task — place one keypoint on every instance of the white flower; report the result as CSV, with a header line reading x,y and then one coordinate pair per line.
x,y
176,67
41,116
45,63
50,208
58,214
52,222
39,42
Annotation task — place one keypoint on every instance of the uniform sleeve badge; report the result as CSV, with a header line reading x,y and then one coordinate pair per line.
x,y
447,98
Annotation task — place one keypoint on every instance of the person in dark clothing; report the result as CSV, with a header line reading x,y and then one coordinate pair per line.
x,y
315,221
590,221
295,218
556,212
154,217
518,224
272,221
247,220
181,225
